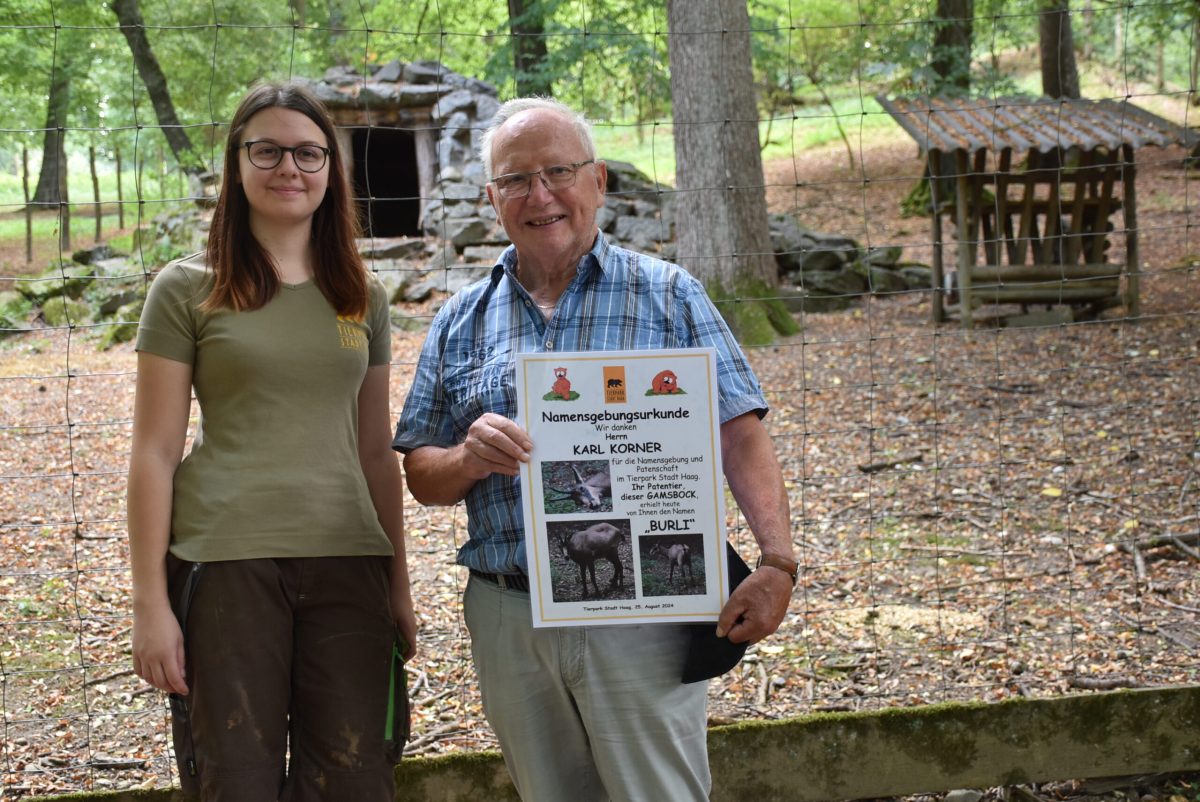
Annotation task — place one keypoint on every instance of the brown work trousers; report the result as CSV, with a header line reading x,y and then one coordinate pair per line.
x,y
288,664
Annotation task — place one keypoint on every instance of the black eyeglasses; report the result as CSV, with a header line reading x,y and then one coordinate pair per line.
x,y
557,176
267,155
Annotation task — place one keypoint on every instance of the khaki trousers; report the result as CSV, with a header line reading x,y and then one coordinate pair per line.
x,y
588,713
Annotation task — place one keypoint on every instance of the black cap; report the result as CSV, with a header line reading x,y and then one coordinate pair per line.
x,y
709,656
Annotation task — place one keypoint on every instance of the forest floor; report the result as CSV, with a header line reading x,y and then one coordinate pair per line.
x,y
980,515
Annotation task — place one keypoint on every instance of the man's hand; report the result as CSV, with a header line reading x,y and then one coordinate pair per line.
x,y
756,607
495,444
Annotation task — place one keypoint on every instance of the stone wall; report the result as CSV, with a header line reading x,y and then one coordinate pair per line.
x,y
882,753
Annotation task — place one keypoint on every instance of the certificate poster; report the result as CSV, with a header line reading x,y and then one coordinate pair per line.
x,y
624,494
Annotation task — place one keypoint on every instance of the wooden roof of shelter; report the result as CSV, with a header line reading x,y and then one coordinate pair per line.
x,y
1031,123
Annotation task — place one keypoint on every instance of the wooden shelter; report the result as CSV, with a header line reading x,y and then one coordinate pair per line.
x,y
1033,230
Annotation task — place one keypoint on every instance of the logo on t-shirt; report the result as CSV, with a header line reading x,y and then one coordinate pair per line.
x,y
350,333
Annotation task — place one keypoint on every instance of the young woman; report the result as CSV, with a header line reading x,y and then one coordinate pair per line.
x,y
270,588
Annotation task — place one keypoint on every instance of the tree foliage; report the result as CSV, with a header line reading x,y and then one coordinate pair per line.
x,y
608,57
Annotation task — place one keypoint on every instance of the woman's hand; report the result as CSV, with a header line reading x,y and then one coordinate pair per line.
x,y
158,654
405,619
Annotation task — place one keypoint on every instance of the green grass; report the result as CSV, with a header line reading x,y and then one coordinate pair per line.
x,y
651,147
83,225
79,189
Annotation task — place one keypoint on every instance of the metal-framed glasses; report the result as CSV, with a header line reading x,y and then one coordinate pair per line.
x,y
554,177
267,155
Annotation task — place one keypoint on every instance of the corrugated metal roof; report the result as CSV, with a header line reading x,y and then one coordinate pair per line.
x,y
1029,123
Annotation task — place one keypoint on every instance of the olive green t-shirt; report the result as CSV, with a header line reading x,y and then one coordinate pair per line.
x,y
273,470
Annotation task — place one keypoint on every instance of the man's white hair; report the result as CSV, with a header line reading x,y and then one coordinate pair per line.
x,y
515,106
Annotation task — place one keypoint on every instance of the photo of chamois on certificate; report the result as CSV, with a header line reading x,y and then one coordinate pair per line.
x,y
574,486
591,560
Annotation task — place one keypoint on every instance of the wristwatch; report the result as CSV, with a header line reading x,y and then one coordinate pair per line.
x,y
789,567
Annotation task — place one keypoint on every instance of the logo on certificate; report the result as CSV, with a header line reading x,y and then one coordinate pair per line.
x,y
665,382
614,384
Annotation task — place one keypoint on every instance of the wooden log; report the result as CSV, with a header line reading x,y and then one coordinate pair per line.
x,y
1006,273
1109,284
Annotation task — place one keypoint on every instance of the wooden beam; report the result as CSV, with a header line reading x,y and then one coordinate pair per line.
x,y
1051,239
1133,266
425,148
1074,242
1105,208
1004,229
1027,229
966,246
1044,294
938,311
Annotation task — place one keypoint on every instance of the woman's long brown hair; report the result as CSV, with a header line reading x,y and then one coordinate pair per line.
x,y
244,273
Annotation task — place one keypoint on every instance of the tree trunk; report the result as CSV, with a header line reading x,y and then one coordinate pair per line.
x,y
1060,77
528,29
952,43
156,83
1089,29
721,207
54,141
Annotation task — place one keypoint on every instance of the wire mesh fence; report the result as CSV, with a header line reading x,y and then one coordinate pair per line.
x,y
1007,510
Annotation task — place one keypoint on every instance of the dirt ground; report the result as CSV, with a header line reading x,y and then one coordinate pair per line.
x,y
984,515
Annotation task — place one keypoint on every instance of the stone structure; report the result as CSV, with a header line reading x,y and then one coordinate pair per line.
x,y
438,116
410,134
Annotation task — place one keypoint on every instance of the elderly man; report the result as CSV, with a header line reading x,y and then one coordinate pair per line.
x,y
586,713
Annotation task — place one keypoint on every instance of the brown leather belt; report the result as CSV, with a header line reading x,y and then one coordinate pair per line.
x,y
506,581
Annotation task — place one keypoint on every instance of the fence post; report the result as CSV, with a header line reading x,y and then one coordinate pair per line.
x,y
1133,260
120,194
28,208
95,188
139,174
64,201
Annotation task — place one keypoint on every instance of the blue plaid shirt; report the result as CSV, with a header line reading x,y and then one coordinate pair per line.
x,y
619,300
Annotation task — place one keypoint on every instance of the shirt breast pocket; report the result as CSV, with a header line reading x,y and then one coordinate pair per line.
x,y
476,386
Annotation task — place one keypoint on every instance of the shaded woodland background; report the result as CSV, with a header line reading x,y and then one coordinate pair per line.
x,y
980,515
